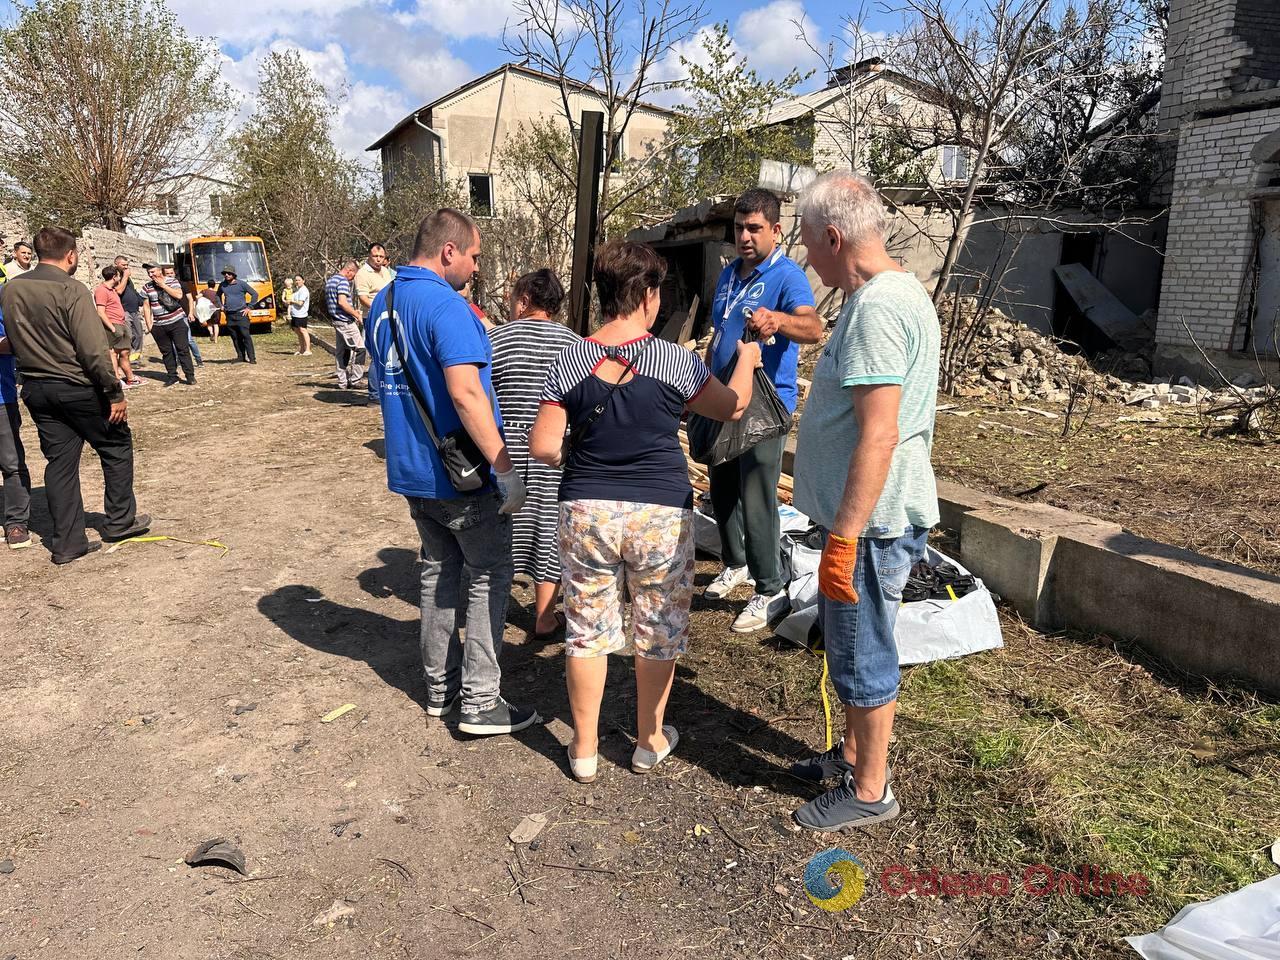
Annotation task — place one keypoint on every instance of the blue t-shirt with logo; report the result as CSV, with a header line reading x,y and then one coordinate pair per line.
x,y
437,330
8,372
777,284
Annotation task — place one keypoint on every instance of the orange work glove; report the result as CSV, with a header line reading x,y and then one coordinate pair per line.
x,y
835,570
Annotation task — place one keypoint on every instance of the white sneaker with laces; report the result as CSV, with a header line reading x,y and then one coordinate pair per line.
x,y
726,581
759,611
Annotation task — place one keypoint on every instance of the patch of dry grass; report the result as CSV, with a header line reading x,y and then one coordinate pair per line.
x,y
1060,750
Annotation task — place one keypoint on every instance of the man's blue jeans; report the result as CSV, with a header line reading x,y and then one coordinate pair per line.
x,y
862,655
466,546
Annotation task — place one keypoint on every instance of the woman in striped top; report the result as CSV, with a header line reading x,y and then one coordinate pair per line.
x,y
625,501
522,352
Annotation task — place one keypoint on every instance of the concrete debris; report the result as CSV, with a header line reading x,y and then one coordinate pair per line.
x,y
1187,394
1010,361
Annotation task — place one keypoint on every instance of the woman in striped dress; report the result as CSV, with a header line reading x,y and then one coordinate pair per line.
x,y
522,351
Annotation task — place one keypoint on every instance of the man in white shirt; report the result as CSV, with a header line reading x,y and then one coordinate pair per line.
x,y
373,275
299,308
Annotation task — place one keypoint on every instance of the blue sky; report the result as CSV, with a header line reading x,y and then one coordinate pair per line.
x,y
391,56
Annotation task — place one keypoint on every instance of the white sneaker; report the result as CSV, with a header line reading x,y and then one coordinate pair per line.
x,y
759,611
728,579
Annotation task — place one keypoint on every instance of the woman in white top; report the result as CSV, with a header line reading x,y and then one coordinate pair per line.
x,y
299,308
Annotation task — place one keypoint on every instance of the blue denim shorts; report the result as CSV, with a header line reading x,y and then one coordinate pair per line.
x,y
862,655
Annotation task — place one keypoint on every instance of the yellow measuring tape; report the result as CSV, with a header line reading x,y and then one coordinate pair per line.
x,y
826,701
195,543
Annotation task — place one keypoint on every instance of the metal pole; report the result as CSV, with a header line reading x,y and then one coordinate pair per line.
x,y
590,163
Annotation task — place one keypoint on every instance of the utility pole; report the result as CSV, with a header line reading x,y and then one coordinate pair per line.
x,y
590,164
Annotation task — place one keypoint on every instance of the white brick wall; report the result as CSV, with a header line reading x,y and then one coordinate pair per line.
x,y
1210,228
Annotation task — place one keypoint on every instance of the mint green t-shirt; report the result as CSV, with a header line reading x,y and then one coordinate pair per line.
x,y
887,334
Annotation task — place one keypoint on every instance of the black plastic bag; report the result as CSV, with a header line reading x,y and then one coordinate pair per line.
x,y
713,442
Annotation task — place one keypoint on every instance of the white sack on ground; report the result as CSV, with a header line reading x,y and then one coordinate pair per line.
x,y
1242,925
927,630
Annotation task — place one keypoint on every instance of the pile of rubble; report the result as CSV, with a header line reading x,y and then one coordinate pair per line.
x,y
1010,361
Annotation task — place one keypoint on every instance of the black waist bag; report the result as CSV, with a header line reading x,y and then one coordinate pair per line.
x,y
463,462
713,442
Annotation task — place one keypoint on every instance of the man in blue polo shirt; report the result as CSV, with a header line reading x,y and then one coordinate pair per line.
x,y
433,346
762,295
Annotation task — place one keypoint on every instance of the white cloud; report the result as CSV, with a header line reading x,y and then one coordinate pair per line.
x,y
671,69
367,112
475,18
423,72
244,24
363,111
770,36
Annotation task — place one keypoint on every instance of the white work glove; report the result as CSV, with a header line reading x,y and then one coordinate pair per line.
x,y
512,489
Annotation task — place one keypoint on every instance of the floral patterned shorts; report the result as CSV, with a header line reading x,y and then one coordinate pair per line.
x,y
603,541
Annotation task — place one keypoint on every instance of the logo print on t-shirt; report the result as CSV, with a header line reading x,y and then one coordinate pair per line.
x,y
391,364
756,291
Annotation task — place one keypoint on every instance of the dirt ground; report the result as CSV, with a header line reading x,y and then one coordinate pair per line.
x,y
167,693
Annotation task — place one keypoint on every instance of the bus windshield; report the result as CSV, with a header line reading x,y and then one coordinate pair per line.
x,y
245,257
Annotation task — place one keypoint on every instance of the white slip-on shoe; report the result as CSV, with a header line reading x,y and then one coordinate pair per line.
x,y
760,611
582,768
726,581
643,760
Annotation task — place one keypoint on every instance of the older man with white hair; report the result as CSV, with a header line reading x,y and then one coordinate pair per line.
x,y
863,473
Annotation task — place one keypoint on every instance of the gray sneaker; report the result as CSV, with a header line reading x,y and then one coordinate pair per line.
x,y
823,766
502,717
440,704
840,809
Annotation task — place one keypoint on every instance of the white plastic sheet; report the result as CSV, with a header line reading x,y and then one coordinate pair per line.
x,y
1243,925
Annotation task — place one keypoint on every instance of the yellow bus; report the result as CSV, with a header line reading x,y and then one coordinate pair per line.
x,y
202,259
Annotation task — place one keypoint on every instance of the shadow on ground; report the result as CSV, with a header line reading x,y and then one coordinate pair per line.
x,y
733,746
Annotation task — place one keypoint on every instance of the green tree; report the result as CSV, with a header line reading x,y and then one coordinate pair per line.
x,y
107,104
294,188
719,136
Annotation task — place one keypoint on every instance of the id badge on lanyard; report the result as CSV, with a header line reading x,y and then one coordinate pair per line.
x,y
732,299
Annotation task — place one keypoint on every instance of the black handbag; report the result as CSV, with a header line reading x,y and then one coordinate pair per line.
x,y
713,442
466,466
167,300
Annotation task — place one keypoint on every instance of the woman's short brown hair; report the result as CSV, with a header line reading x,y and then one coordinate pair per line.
x,y
624,272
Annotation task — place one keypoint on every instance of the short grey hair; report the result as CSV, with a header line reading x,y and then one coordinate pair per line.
x,y
847,201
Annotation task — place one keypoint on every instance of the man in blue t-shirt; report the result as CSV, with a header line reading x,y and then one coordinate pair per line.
x,y
13,458
762,295
432,348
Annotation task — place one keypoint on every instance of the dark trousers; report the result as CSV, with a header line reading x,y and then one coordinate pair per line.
x,y
174,341
13,467
238,327
67,415
137,330
744,496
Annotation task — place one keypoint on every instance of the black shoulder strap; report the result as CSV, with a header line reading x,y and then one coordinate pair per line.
x,y
400,346
575,436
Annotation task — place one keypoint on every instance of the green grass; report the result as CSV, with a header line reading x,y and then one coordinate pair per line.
x,y
1057,751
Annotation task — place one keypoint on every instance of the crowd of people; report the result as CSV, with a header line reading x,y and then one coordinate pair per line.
x,y
76,352
524,449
